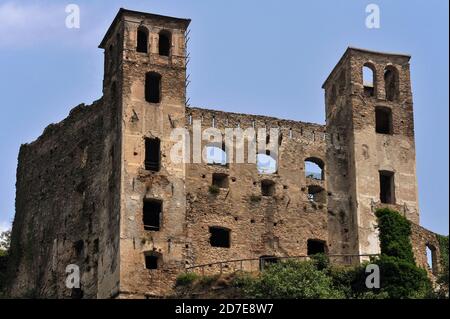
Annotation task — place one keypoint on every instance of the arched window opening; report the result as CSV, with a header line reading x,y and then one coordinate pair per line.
x,y
153,260
266,164
369,80
215,155
314,168
317,194
153,87
316,246
391,85
142,40
431,258
165,43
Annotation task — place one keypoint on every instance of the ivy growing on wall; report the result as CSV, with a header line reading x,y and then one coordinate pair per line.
x,y
400,277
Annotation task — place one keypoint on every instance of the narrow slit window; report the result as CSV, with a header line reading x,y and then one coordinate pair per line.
x,y
387,191
153,87
152,154
152,215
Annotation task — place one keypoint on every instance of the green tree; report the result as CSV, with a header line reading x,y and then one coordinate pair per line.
x,y
5,242
292,279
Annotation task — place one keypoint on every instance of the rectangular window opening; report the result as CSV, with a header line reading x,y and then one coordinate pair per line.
x,y
220,180
152,154
383,120
220,237
387,191
152,215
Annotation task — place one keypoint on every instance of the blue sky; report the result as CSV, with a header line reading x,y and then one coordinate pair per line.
x,y
252,56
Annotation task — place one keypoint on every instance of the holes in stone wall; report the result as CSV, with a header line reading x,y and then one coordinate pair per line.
x,y
267,188
391,83
219,237
266,164
165,42
220,180
369,79
153,260
153,87
152,213
142,40
314,168
387,188
317,194
216,155
152,154
383,120
316,246
431,258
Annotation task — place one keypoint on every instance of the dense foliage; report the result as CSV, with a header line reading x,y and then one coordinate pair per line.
x,y
443,276
400,277
395,232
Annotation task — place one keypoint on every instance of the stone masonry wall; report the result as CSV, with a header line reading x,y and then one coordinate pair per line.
x,y
67,208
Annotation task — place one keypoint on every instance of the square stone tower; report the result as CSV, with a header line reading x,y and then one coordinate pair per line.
x,y
145,71
369,109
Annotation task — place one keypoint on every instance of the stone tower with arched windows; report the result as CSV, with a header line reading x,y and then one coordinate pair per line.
x,y
374,165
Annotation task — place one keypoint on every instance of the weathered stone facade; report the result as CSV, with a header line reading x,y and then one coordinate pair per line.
x,y
83,186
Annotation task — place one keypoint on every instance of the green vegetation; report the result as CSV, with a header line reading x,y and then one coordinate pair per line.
x,y
255,198
400,278
443,276
186,279
214,190
5,242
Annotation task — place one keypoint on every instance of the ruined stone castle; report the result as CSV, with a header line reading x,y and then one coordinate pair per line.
x,y
98,190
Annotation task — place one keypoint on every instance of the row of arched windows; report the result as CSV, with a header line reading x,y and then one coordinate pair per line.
x,y
391,81
265,163
164,42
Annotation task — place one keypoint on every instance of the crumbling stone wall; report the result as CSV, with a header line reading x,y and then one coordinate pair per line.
x,y
67,208
422,238
277,225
